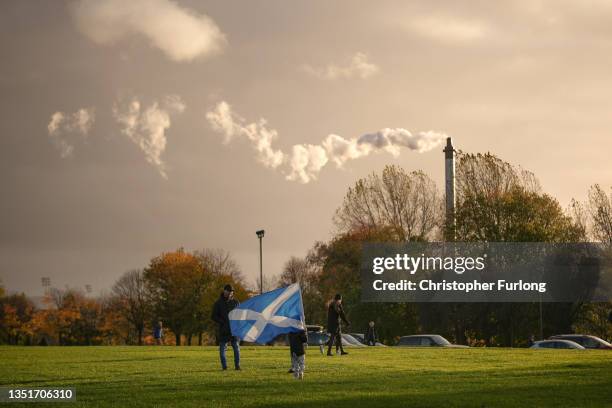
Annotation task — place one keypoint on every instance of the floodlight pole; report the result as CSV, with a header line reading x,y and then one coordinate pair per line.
x,y
260,235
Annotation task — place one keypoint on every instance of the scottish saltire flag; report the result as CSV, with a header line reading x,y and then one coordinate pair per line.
x,y
262,318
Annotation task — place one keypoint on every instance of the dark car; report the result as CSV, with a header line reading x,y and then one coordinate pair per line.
x,y
426,340
316,335
586,341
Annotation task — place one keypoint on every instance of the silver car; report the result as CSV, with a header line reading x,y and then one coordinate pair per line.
x,y
557,344
361,338
350,341
426,340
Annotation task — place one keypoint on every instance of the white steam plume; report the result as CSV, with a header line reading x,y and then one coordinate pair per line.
x,y
306,161
340,150
66,129
147,127
223,120
359,67
180,33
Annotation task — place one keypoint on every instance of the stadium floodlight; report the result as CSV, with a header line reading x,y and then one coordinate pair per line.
x,y
260,235
46,284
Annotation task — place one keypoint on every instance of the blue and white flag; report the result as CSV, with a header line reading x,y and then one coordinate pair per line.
x,y
261,318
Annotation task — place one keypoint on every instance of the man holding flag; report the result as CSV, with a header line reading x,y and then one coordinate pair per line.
x,y
220,315
262,318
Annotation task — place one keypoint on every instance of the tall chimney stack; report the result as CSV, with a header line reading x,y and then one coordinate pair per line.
x,y
449,171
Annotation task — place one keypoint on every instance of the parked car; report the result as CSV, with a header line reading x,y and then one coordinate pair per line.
x,y
361,338
586,341
316,336
350,341
556,344
426,340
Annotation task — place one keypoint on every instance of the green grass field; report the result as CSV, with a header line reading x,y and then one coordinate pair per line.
x,y
385,377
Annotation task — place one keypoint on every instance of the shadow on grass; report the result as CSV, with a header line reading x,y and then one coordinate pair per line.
x,y
122,360
338,383
512,396
427,388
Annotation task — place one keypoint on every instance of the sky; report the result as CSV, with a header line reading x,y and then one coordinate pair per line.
x,y
132,128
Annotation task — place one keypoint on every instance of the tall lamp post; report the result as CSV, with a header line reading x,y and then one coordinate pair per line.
x,y
260,235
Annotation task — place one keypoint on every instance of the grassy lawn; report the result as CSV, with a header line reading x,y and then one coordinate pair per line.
x,y
385,377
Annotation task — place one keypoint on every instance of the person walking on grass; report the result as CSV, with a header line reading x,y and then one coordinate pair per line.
x,y
335,317
371,337
220,315
158,333
298,342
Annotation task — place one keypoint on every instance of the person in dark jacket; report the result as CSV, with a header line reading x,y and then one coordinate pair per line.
x,y
158,333
220,315
371,337
335,317
298,341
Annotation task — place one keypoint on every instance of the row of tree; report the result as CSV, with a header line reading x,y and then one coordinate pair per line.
x,y
496,201
176,288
